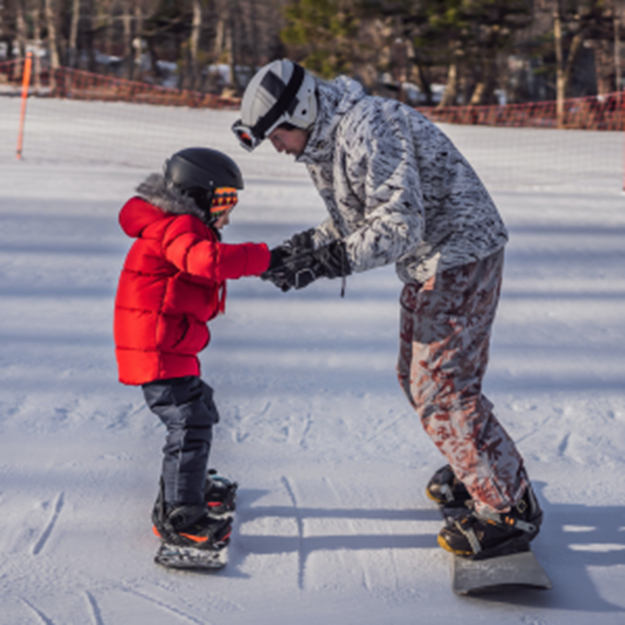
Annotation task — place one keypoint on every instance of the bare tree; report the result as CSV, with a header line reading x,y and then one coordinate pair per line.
x,y
194,44
233,43
617,45
127,38
72,44
560,72
20,27
53,40
36,19
138,38
602,25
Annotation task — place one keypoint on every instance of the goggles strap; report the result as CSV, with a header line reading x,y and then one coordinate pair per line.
x,y
224,198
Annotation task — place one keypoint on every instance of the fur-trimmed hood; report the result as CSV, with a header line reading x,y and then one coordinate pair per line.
x,y
155,190
155,197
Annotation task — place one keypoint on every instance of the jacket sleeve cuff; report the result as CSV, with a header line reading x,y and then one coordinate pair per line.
x,y
258,259
242,259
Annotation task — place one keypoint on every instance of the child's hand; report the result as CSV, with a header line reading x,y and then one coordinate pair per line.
x,y
278,255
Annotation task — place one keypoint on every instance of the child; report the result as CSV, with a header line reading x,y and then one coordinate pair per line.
x,y
173,282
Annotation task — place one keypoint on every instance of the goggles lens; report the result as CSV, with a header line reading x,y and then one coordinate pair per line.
x,y
224,199
245,135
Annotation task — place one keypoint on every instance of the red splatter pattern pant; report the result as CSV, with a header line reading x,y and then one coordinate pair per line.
x,y
444,342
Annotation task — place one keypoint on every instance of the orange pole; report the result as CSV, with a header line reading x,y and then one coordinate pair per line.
x,y
28,63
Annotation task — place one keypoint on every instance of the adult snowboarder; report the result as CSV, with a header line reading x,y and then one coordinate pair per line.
x,y
398,191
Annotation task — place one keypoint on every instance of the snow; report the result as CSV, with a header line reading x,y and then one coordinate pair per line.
x,y
333,525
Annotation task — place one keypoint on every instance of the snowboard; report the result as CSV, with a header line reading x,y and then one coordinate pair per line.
x,y
190,558
514,570
220,498
498,573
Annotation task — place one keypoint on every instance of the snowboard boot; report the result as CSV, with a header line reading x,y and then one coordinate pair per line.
x,y
446,489
220,494
477,535
190,525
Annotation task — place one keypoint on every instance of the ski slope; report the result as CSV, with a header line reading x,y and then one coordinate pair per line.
x,y
333,525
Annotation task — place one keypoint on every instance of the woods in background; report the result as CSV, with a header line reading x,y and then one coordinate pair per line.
x,y
444,52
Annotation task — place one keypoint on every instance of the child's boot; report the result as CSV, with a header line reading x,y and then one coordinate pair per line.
x,y
219,493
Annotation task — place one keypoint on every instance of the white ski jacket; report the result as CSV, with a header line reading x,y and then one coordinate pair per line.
x,y
396,188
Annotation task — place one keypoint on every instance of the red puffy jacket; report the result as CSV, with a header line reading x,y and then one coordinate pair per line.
x,y
172,283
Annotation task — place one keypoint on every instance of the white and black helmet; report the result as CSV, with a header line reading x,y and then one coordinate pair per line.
x,y
280,92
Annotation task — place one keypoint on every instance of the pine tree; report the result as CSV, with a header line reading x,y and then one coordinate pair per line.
x,y
324,34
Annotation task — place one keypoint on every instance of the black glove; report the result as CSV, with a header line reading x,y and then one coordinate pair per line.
x,y
298,244
278,255
298,271
302,242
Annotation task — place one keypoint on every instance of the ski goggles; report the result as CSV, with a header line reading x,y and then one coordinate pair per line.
x,y
245,135
224,199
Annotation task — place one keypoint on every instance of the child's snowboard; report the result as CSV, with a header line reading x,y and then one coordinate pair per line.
x,y
518,569
190,558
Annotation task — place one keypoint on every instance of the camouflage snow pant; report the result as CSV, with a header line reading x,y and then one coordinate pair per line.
x,y
444,341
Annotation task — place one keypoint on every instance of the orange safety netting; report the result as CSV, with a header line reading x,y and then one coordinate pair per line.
x,y
81,117
602,112
81,85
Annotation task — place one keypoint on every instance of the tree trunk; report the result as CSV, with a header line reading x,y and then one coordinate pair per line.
x,y
421,77
127,38
450,97
560,75
233,45
138,40
72,48
617,50
479,94
156,72
576,46
255,30
604,66
194,44
220,33
107,42
484,87
36,17
88,35
20,27
53,41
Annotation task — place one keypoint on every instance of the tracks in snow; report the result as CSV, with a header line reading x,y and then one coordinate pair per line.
x,y
47,530
323,548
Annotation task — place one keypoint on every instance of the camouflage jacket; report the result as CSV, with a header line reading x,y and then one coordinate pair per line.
x,y
396,188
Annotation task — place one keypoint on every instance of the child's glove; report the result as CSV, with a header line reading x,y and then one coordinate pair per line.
x,y
298,270
296,245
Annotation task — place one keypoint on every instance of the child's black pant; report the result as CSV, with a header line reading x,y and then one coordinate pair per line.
x,y
186,407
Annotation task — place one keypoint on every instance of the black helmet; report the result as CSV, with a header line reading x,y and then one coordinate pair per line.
x,y
199,171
